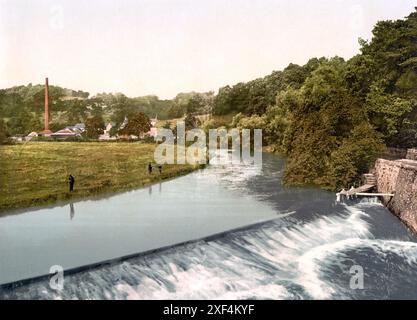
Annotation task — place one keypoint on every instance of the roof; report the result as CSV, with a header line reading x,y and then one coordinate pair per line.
x,y
80,125
66,132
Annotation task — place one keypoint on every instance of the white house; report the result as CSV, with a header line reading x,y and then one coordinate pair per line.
x,y
31,135
106,134
153,131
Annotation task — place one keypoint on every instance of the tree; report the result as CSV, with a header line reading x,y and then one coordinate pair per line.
x,y
76,111
354,156
121,106
94,127
329,141
195,104
24,122
3,131
191,122
384,76
176,111
222,101
137,125
113,131
254,97
277,120
96,106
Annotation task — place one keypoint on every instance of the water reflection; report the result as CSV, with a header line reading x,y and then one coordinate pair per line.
x,y
72,211
298,254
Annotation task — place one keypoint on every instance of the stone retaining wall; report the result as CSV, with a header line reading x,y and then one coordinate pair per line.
x,y
399,177
411,154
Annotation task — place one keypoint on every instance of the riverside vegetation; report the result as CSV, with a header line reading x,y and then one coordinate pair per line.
x,y
330,117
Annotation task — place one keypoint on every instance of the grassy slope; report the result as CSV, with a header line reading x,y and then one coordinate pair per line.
x,y
224,120
36,173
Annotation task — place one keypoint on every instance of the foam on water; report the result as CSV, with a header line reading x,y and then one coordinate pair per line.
x,y
306,253
278,260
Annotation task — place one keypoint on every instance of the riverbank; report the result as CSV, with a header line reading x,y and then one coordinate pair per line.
x,y
35,174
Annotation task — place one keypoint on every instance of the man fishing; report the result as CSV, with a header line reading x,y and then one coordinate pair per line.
x,y
71,181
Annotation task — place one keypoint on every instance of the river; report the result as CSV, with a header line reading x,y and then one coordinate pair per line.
x,y
270,242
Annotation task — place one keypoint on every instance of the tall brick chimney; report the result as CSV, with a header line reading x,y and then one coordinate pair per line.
x,y
46,131
46,105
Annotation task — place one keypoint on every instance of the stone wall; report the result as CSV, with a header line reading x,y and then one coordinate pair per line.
x,y
400,178
411,154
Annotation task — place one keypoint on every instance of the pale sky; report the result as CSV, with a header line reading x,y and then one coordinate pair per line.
x,y
164,47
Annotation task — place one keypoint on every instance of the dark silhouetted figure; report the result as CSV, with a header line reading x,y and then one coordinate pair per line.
x,y
160,169
150,168
71,182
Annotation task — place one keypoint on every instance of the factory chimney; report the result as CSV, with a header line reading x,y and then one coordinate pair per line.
x,y
46,105
46,131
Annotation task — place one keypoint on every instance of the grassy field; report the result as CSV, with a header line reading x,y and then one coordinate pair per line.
x,y
36,173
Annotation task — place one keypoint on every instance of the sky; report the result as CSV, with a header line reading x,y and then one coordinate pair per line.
x,y
163,47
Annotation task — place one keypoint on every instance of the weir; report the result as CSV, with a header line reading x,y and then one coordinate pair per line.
x,y
118,260
362,191
296,258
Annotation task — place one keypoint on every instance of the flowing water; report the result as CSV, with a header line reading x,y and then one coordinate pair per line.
x,y
303,248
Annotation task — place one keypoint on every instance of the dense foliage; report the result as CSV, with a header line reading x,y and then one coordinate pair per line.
x,y
3,132
94,127
137,125
332,117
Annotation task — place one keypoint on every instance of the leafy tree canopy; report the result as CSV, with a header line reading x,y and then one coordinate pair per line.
x,y
137,124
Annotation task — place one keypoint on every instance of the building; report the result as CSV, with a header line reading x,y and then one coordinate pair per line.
x,y
79,127
106,134
31,135
24,138
154,130
46,132
18,138
67,133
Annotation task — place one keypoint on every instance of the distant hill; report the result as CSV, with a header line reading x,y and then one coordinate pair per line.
x,y
22,107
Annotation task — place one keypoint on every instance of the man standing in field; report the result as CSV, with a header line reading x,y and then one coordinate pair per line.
x,y
71,182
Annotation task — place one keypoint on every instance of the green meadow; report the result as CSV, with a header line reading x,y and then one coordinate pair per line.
x,y
36,173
